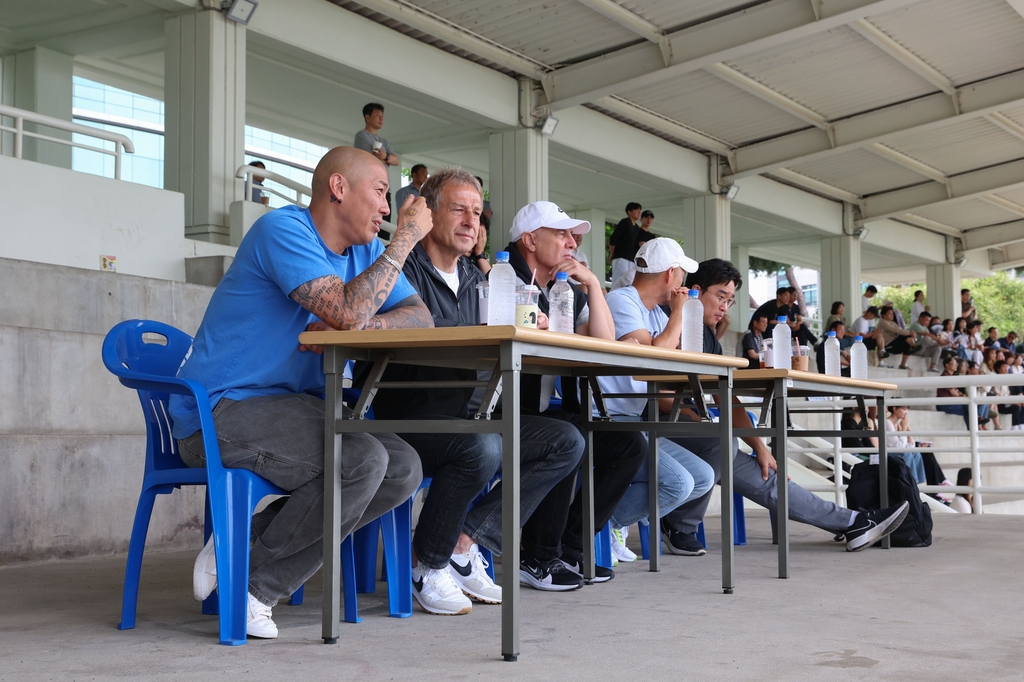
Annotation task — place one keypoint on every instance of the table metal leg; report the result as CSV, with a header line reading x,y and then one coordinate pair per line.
x,y
587,483
883,463
782,477
511,365
653,506
334,364
725,429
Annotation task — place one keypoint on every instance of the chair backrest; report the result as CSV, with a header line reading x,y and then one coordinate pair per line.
x,y
155,349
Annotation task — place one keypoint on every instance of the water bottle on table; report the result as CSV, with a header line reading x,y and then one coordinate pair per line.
x,y
693,323
832,364
858,359
782,341
561,306
501,304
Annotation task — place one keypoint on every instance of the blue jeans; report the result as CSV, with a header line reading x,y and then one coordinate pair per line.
x,y
549,451
915,463
681,476
962,411
460,466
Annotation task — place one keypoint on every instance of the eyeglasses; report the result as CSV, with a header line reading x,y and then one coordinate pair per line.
x,y
723,301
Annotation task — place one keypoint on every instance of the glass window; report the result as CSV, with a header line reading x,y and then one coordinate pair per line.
x,y
810,294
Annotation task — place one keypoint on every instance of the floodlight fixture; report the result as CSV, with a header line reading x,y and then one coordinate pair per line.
x,y
548,126
240,11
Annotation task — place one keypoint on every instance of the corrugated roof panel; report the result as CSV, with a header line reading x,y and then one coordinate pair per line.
x,y
836,73
1015,115
1014,195
958,148
709,104
670,14
967,214
965,40
859,171
550,32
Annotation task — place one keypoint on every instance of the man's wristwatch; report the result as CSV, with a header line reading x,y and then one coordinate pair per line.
x,y
480,256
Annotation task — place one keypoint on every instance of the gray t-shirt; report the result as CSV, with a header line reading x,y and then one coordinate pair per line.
x,y
365,139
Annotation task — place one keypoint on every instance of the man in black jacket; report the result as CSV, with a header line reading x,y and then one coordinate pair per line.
x,y
542,241
446,555
623,242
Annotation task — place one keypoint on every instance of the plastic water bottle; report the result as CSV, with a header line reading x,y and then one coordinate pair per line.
x,y
693,323
858,359
561,306
501,306
782,343
832,365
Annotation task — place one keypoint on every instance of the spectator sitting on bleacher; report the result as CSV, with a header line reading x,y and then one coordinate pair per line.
x,y
975,345
931,344
896,340
1009,342
753,339
897,315
952,368
862,327
838,307
963,502
1015,410
895,424
844,356
992,339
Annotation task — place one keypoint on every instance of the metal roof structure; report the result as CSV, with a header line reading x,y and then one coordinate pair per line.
x,y
909,109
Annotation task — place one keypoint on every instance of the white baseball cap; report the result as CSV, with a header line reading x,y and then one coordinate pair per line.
x,y
661,254
544,214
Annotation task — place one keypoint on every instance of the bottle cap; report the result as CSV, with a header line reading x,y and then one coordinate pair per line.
x,y
561,277
501,256
831,335
693,293
858,339
782,319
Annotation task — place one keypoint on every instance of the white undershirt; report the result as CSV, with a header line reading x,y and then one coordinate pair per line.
x,y
450,278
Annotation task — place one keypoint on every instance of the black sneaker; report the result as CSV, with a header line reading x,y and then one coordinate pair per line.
x,y
572,559
551,576
871,526
685,544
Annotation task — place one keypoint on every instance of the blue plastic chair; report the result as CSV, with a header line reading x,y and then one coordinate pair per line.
x,y
133,353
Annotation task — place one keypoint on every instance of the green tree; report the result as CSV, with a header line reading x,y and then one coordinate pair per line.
x,y
997,299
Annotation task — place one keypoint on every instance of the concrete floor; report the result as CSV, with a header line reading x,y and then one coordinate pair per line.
x,y
950,611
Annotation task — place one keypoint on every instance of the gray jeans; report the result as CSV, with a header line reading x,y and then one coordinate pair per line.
x,y
281,438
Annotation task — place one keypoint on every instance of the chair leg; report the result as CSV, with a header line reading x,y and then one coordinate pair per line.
x,y
775,527
133,566
603,546
645,541
400,578
739,521
700,535
210,604
231,541
364,543
348,581
297,596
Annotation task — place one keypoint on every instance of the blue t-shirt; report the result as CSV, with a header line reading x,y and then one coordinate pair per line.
x,y
629,314
248,342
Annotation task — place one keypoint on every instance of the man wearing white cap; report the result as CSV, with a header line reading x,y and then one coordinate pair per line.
x,y
542,242
637,311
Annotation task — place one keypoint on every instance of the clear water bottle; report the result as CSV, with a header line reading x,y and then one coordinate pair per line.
x,y
501,305
782,342
561,306
833,367
858,359
693,323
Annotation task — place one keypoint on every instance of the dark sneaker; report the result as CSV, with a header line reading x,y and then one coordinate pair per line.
x,y
551,576
572,559
685,544
871,526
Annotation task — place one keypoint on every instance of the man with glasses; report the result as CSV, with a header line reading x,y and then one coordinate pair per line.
x,y
754,477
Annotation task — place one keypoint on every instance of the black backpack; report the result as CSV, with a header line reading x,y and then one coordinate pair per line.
x,y
862,493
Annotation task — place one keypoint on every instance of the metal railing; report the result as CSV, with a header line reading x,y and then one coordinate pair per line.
x,y
974,448
122,144
298,189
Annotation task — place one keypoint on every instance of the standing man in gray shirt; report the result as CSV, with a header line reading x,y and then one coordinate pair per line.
x,y
417,176
368,139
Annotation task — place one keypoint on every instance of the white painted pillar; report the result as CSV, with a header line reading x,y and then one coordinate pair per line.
x,y
518,175
593,242
39,80
840,276
942,290
707,227
739,316
204,88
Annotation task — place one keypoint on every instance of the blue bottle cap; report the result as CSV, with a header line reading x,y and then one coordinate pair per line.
x,y
561,277
782,319
693,293
858,339
501,256
831,335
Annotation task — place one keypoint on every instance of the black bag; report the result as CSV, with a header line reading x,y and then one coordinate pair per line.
x,y
862,493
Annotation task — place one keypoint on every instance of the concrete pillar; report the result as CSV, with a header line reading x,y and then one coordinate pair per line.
x,y
39,80
707,227
593,242
518,175
204,140
739,316
840,276
942,290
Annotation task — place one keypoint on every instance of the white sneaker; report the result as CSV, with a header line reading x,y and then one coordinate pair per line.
x,y
437,593
204,573
619,549
259,623
469,571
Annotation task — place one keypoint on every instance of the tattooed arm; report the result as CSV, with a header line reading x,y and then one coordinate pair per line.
x,y
354,305
409,313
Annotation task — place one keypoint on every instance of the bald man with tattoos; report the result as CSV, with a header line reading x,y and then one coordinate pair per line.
x,y
297,269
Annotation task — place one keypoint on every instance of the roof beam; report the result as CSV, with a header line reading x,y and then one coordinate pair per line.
x,y
460,37
633,22
994,236
1005,204
663,124
762,91
931,225
735,35
885,42
984,98
971,185
910,163
818,186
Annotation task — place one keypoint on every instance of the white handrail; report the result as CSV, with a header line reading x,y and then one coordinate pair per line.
x,y
249,172
23,116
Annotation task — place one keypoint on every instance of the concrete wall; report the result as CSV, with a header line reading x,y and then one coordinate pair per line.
x,y
71,437
54,215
